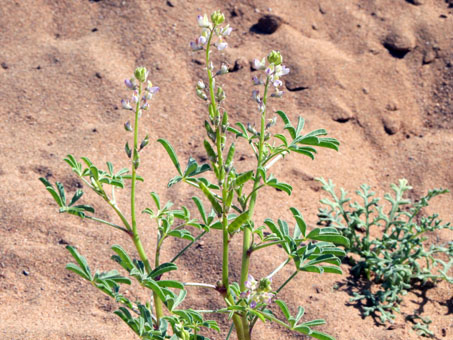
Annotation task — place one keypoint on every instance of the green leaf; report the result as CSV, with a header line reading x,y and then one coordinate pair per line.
x,y
238,222
76,269
332,270
156,199
171,284
154,286
200,207
76,197
288,125
123,258
319,235
171,153
284,308
81,261
161,269
210,196
303,329
321,336
61,193
51,190
300,223
243,178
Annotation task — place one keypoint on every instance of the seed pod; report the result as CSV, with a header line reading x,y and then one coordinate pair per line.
x,y
210,152
229,159
211,133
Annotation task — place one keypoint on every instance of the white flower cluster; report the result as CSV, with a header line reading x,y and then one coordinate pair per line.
x,y
141,76
210,28
258,292
273,71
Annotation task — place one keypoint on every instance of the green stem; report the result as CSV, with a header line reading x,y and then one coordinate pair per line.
x,y
225,234
135,236
247,234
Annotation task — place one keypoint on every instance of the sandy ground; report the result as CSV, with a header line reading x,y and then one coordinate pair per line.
x,y
377,74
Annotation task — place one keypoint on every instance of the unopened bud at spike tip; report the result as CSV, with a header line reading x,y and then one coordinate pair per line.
x,y
275,58
217,18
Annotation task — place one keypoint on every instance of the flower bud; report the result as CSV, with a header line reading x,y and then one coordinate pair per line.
x,y
141,74
127,126
144,142
217,18
220,95
223,69
201,94
200,85
275,58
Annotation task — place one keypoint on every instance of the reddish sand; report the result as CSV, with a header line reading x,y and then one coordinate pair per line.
x,y
61,81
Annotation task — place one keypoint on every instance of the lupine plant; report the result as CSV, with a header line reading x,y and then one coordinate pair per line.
x,y
400,256
231,197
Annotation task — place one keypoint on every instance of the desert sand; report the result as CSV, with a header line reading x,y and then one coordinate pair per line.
x,y
377,74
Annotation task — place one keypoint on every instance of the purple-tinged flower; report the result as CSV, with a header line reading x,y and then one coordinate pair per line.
x,y
226,31
145,106
221,46
277,94
285,70
259,65
270,70
257,81
135,99
130,84
154,89
203,21
126,105
277,83
256,96
252,304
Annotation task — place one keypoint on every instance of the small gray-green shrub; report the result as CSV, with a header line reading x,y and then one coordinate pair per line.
x,y
400,255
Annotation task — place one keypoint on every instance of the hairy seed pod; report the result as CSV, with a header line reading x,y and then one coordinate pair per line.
x,y
210,152
229,159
